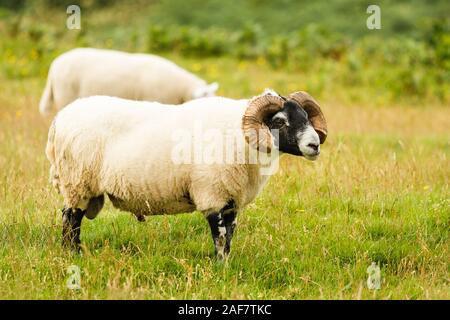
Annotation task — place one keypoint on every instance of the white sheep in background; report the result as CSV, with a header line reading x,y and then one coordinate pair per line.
x,y
85,72
125,149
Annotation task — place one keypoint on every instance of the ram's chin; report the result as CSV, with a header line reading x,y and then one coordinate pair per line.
x,y
311,157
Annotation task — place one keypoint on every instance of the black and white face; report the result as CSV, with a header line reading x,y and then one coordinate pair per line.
x,y
296,134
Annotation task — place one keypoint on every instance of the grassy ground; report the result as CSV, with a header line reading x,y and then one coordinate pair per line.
x,y
378,193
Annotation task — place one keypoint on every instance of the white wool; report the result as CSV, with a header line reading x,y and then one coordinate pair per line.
x,y
85,72
123,148
270,92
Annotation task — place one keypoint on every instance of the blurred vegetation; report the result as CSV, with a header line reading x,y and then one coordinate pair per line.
x,y
328,43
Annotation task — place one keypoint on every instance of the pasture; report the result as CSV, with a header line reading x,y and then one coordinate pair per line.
x,y
379,191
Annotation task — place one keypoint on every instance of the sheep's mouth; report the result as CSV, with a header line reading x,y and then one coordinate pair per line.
x,y
309,153
312,157
308,143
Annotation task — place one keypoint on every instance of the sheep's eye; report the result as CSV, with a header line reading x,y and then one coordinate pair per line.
x,y
280,123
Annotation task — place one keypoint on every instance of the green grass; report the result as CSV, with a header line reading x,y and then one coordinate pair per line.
x,y
378,193
312,233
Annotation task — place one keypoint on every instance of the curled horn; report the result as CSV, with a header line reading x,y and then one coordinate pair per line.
x,y
256,133
315,115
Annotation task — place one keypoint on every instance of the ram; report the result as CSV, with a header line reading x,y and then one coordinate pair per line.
x,y
85,72
129,151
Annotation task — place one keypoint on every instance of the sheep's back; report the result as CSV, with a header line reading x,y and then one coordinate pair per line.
x,y
85,72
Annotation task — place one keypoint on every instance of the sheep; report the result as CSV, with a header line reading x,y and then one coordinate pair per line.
x,y
84,72
128,150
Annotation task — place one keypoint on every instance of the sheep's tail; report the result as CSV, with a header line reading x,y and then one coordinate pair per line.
x,y
51,155
46,103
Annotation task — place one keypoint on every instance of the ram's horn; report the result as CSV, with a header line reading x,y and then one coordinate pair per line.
x,y
259,109
315,115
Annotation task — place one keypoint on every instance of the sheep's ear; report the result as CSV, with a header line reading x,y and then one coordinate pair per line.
x,y
205,91
212,88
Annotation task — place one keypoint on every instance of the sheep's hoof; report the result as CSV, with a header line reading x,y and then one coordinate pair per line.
x,y
221,256
74,247
222,259
69,242
71,228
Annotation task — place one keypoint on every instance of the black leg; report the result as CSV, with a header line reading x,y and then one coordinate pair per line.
x,y
71,227
222,226
230,225
218,232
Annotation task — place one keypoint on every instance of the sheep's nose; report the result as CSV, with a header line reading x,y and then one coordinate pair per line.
x,y
314,146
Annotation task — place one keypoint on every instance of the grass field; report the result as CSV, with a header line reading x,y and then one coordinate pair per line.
x,y
378,193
